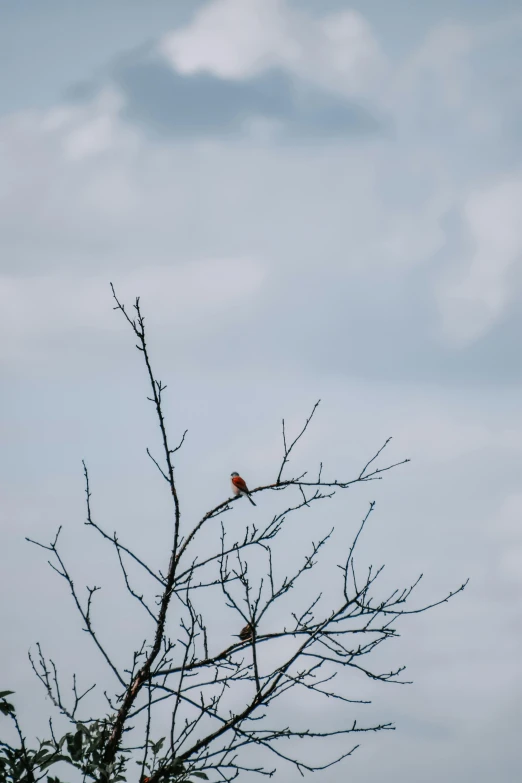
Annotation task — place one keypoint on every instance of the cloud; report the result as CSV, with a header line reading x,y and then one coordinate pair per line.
x,y
264,71
479,291
269,106
240,39
101,194
62,170
231,39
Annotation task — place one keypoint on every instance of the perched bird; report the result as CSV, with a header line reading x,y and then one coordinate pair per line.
x,y
246,633
239,487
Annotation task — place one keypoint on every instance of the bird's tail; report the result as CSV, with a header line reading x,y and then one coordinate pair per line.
x,y
254,504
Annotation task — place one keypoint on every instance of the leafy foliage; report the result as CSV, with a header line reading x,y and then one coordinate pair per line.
x,y
83,749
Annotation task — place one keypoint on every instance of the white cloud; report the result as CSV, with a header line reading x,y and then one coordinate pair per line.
x,y
97,192
477,293
63,168
89,129
238,39
234,39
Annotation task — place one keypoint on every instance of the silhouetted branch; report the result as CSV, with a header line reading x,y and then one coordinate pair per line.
x,y
218,702
288,449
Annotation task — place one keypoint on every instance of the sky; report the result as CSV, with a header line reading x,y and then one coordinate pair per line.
x,y
313,199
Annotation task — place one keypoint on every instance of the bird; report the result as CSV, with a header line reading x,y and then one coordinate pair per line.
x,y
239,487
246,633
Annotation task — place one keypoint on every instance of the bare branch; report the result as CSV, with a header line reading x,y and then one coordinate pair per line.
x,y
288,449
219,702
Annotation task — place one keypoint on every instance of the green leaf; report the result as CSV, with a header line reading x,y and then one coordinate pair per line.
x,y
61,757
47,762
78,741
41,756
200,775
5,693
156,746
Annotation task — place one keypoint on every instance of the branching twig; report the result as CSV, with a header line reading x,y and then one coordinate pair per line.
x,y
220,703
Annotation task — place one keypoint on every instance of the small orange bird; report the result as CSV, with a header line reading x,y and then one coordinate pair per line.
x,y
239,487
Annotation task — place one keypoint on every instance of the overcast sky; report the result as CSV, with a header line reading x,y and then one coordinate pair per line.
x,y
315,198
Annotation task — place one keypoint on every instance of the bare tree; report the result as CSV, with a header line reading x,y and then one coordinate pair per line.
x,y
222,712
